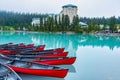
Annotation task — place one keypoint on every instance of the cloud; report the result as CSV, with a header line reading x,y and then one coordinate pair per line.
x,y
88,8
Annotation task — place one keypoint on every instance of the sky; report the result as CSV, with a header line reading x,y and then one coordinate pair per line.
x,y
86,8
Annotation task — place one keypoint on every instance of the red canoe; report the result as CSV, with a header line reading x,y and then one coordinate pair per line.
x,y
62,61
49,71
8,52
20,46
48,55
8,44
37,50
26,46
47,60
53,50
64,54
14,51
31,68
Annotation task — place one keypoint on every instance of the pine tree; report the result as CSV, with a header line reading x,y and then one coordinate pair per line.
x,y
112,24
59,24
75,24
104,23
67,22
63,23
56,24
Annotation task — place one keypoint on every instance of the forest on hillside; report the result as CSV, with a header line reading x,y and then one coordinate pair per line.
x,y
23,20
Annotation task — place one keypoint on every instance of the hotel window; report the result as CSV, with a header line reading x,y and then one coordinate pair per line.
x,y
66,11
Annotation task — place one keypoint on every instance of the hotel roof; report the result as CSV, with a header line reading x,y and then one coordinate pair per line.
x,y
82,24
69,5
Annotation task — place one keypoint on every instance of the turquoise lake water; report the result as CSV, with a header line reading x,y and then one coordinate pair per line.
x,y
98,57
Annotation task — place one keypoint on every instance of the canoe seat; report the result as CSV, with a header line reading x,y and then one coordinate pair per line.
x,y
50,67
17,58
5,61
35,66
19,64
56,68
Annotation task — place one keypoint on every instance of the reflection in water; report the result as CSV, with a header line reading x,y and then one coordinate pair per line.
x,y
7,33
70,42
25,77
73,41
70,67
35,41
98,57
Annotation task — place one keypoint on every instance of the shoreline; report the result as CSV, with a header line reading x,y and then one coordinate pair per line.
x,y
107,34
70,32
